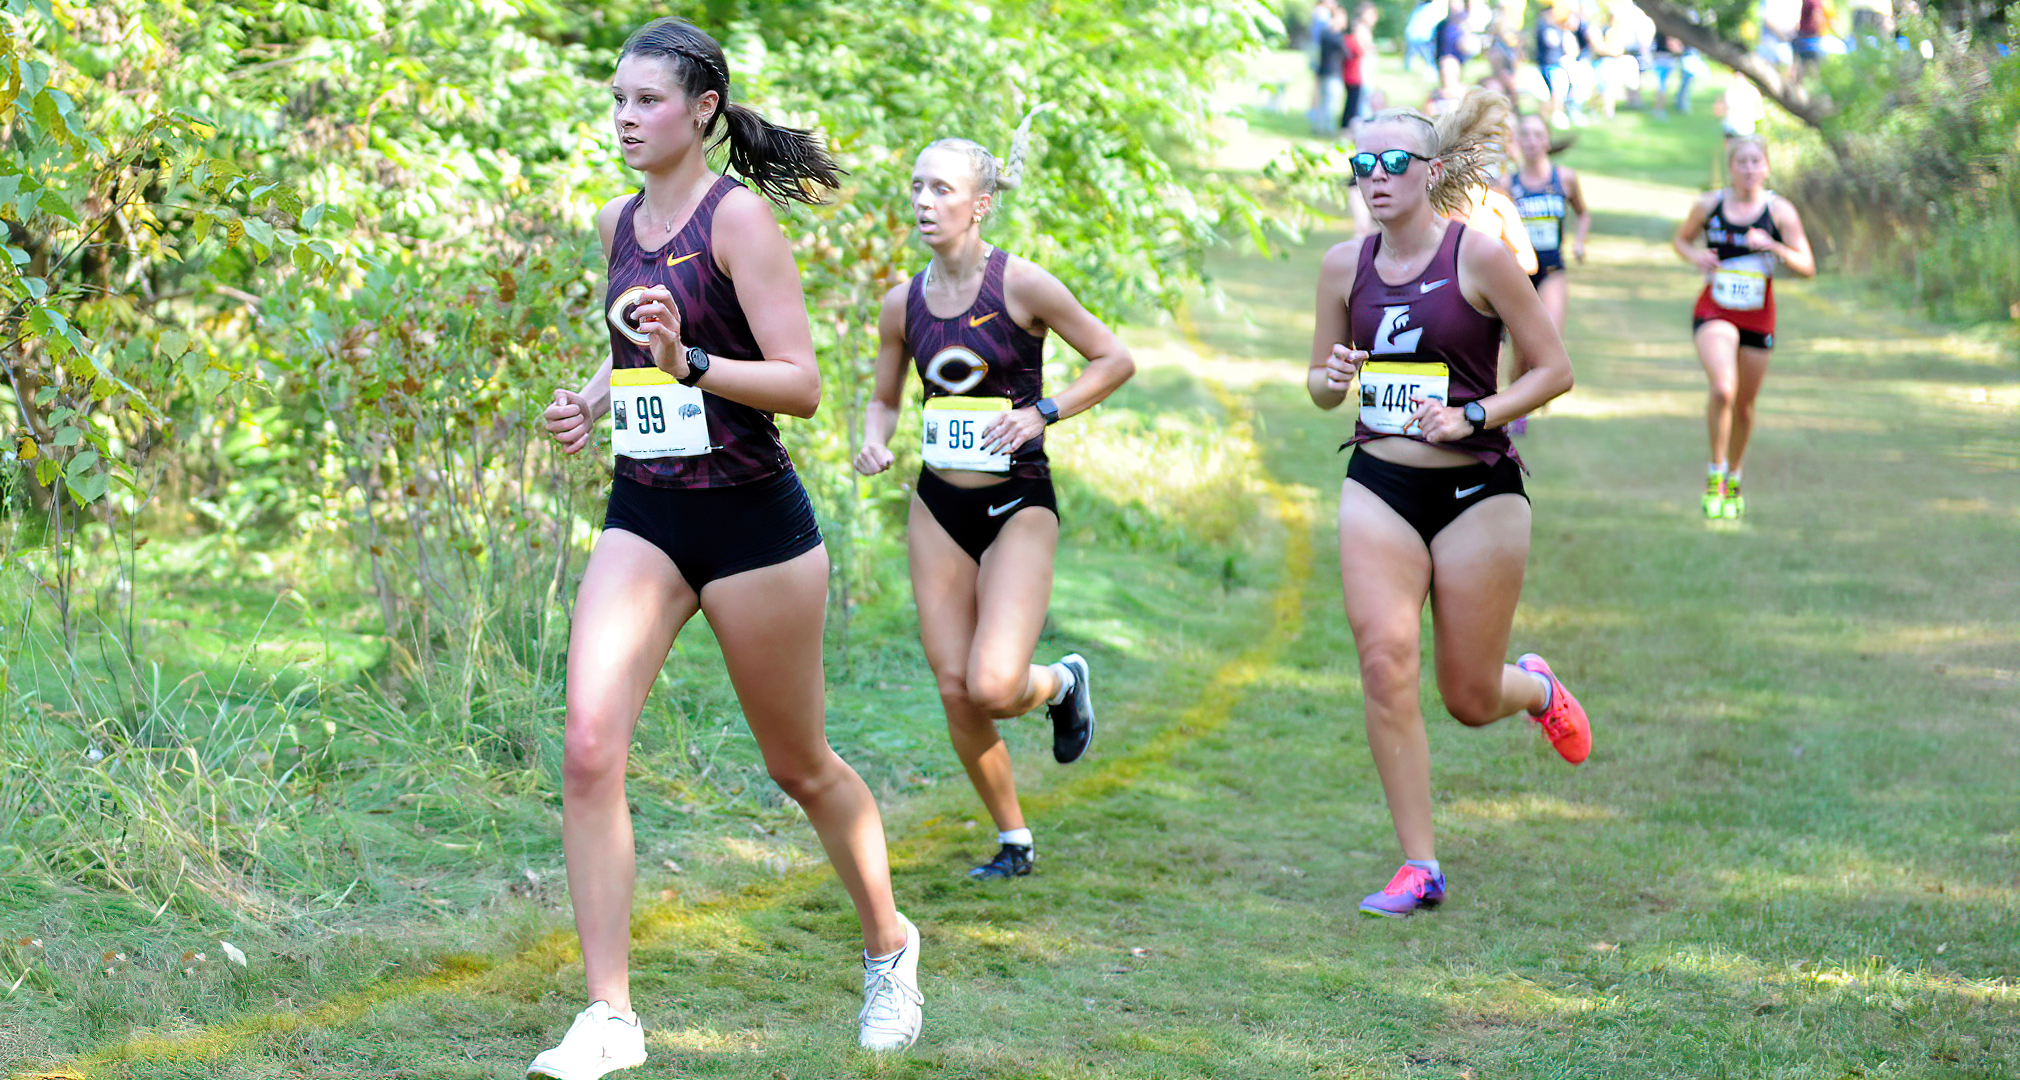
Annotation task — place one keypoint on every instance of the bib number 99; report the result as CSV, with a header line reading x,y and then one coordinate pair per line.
x,y
653,416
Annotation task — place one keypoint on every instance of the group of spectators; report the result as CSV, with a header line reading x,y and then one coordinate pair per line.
x,y
1578,59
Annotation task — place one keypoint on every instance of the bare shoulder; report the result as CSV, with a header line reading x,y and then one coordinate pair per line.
x,y
895,298
1478,244
609,215
1344,257
1024,277
745,213
1784,211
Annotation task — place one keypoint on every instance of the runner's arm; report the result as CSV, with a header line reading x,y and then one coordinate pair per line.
x,y
571,416
1488,272
1575,195
1335,359
1692,227
753,251
1795,251
1035,298
1050,303
880,418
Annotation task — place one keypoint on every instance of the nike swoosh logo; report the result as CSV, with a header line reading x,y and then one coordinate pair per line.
x,y
1463,492
999,511
671,261
1429,285
977,320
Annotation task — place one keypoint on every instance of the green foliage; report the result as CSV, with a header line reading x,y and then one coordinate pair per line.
x,y
289,278
1924,189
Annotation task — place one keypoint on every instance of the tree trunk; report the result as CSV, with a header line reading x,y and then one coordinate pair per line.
x,y
1673,19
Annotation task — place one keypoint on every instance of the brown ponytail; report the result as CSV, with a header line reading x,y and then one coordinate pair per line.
x,y
781,162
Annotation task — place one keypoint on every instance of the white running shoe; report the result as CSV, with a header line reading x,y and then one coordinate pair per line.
x,y
599,1043
893,1009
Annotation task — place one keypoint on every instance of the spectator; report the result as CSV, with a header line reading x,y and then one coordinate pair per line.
x,y
1778,21
1455,44
1359,43
1741,110
1327,22
1418,33
1672,57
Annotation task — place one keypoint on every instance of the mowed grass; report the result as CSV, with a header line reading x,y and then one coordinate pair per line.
x,y
1795,851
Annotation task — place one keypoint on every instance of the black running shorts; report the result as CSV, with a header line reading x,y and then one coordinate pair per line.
x,y
973,516
712,533
1430,499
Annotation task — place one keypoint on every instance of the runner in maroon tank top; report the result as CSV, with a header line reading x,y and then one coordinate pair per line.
x,y
984,524
1746,231
1433,505
709,338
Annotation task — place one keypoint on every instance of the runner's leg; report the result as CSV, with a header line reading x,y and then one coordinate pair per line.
x,y
943,588
1753,367
1385,574
1718,349
769,622
1014,588
1477,564
631,604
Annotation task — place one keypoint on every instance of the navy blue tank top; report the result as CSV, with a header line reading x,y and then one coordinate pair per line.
x,y
1542,209
981,352
744,443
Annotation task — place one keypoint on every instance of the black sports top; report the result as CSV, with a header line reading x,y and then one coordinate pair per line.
x,y
981,352
1728,239
744,443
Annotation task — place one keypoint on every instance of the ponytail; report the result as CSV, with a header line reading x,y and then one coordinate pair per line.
x,y
783,163
1471,138
991,173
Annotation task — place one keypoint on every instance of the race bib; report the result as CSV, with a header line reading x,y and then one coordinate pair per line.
x,y
653,416
1543,232
1740,284
1388,388
951,435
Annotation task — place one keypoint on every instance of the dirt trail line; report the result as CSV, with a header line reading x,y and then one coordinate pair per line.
x,y
655,922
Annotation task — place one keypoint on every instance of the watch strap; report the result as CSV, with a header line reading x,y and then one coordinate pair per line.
x,y
697,365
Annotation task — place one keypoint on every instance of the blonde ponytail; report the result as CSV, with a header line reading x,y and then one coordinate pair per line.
x,y
993,174
1471,138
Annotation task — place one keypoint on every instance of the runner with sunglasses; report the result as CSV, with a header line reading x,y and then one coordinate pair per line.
x,y
1746,230
984,524
1433,506
1545,194
708,339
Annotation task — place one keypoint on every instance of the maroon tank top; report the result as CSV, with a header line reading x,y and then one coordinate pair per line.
x,y
744,443
1426,319
981,352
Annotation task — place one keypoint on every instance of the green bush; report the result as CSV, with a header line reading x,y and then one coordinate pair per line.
x,y
1926,191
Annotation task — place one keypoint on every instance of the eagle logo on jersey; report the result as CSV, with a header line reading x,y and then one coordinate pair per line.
x,y
956,370
1390,337
624,318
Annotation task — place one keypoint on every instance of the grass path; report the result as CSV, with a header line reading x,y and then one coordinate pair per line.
x,y
1795,851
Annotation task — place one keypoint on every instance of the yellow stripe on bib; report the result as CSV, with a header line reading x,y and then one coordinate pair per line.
x,y
1406,367
640,376
969,404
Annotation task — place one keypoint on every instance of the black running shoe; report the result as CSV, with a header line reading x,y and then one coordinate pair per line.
x,y
1014,860
1073,719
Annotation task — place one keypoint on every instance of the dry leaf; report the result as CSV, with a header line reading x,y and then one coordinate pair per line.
x,y
232,953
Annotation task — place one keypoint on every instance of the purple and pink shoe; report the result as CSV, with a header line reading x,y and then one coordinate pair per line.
x,y
1413,889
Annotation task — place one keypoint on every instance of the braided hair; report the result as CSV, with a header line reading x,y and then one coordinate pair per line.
x,y
784,163
991,173
1471,138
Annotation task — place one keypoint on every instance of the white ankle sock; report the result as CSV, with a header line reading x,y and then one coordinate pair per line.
x,y
1065,682
1020,837
1428,865
1548,692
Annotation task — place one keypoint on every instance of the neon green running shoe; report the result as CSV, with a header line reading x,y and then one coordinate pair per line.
x,y
1735,503
1714,495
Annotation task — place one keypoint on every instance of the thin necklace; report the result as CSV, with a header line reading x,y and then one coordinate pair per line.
x,y
935,261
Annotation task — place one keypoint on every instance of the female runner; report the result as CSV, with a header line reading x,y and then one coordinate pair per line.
x,y
1545,194
1745,229
984,525
1433,506
709,337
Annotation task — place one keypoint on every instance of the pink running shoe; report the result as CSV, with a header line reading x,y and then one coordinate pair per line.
x,y
1564,721
1413,889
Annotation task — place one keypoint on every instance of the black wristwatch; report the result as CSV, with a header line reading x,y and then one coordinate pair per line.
x,y
697,365
1476,414
1049,409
